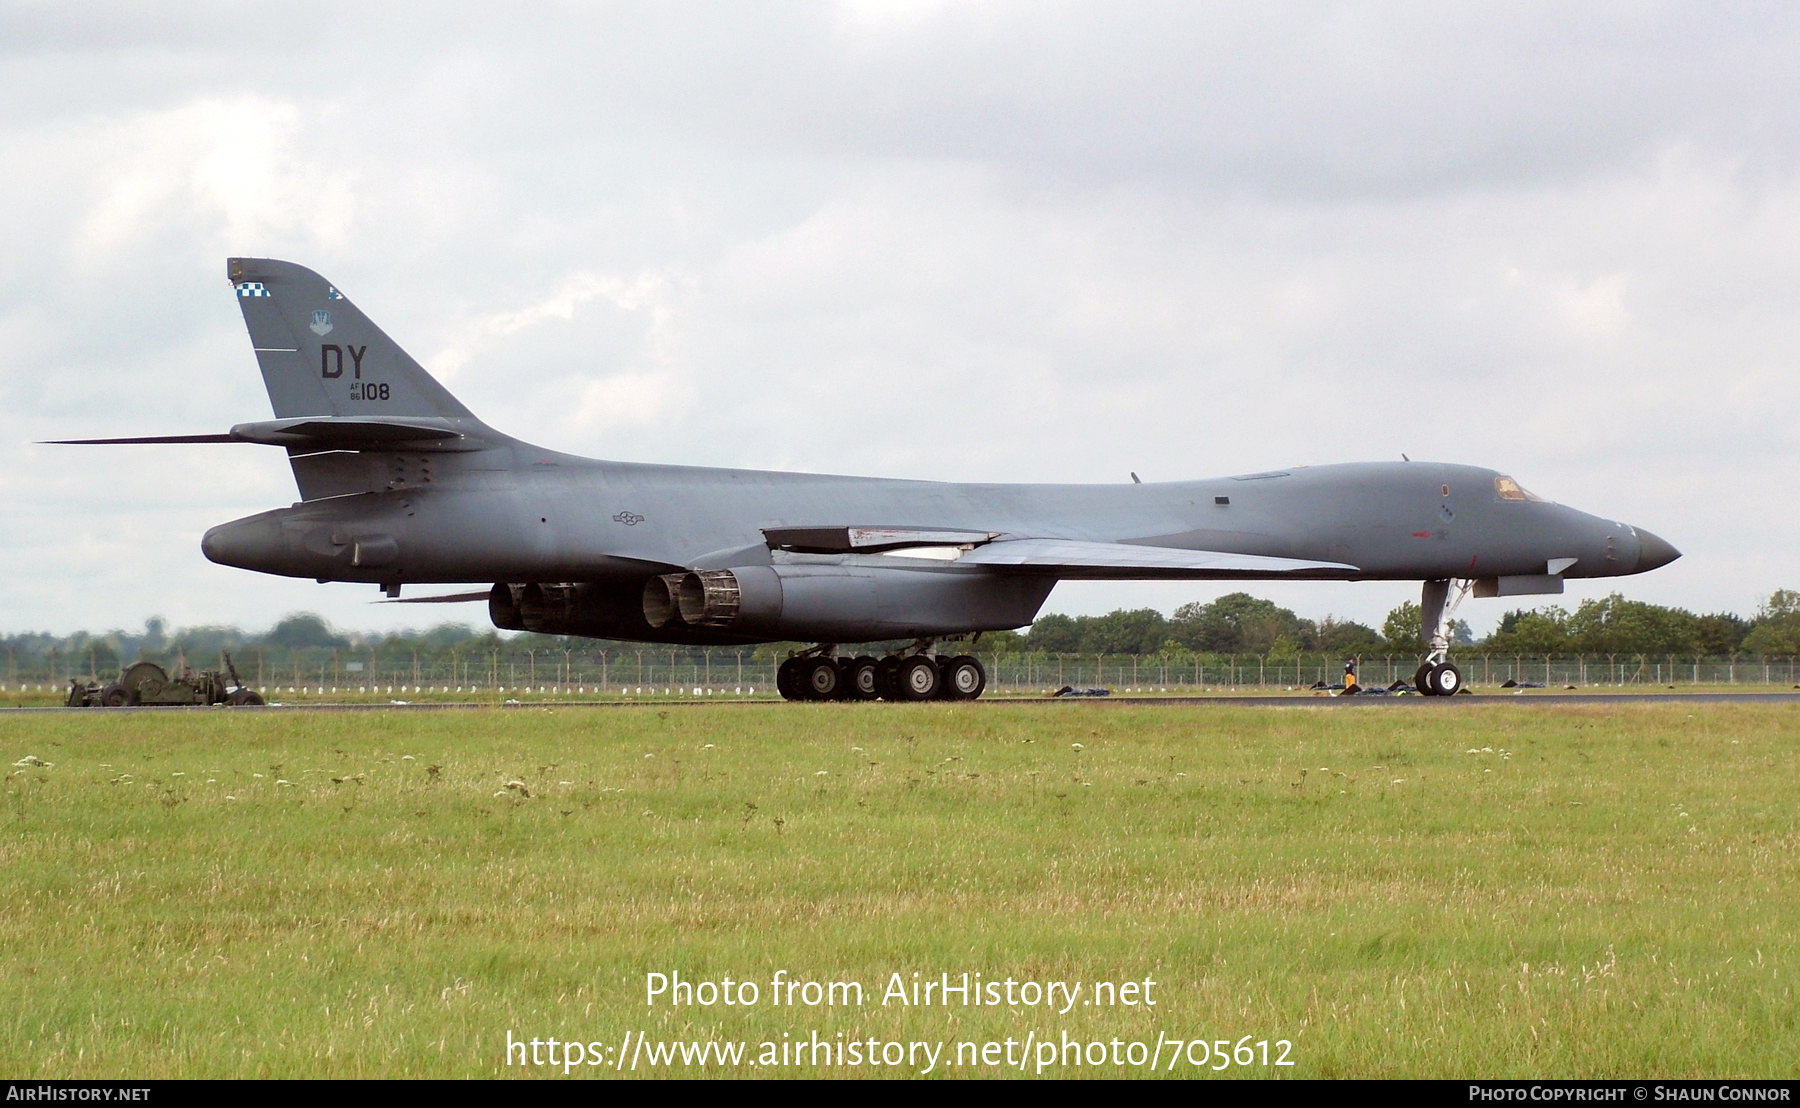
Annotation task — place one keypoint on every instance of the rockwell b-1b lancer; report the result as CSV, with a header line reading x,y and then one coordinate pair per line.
x,y
402,485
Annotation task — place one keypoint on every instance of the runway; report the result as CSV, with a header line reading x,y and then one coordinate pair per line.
x,y
1529,698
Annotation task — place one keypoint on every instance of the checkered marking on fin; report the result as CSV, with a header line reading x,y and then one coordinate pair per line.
x,y
252,288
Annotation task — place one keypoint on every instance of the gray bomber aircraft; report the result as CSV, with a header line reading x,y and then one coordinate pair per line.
x,y
401,485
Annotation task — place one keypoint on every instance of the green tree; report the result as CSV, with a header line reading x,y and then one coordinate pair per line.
x,y
1721,633
1138,631
302,630
1615,625
1346,637
1400,630
1545,631
1237,623
1054,634
1003,642
1776,629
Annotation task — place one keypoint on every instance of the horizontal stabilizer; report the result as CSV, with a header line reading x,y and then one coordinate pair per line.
x,y
358,433
1121,561
453,598
142,439
344,433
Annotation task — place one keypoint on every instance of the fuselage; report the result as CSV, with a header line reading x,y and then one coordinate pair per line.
x,y
513,512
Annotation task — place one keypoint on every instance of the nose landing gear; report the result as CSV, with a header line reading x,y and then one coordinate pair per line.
x,y
1438,601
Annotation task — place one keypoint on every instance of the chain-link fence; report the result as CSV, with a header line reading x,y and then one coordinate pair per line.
x,y
751,671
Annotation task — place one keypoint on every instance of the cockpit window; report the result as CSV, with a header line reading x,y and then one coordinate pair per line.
x,y
1508,489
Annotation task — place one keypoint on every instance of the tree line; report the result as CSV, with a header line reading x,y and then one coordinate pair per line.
x,y
1235,624
1239,623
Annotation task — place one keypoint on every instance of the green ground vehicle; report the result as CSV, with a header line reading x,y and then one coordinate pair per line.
x,y
143,683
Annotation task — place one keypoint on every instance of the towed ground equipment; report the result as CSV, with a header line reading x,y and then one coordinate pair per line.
x,y
146,683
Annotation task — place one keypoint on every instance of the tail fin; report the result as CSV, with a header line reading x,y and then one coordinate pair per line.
x,y
320,356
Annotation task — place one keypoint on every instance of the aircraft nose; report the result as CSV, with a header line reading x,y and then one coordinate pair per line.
x,y
1653,552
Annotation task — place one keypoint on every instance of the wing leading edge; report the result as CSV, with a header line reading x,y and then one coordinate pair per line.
x,y
1049,557
1122,561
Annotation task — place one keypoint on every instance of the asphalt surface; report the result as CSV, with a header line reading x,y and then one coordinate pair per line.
x,y
1533,697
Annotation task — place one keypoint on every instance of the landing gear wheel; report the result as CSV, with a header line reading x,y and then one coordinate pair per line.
x,y
963,678
244,698
113,695
786,682
887,679
818,679
1446,679
917,678
1422,680
861,679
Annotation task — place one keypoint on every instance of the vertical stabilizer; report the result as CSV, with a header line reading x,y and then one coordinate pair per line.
x,y
320,356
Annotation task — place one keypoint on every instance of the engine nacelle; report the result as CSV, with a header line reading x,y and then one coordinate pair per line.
x,y
601,610
805,603
534,607
838,603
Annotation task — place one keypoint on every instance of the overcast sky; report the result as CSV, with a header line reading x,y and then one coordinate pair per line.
x,y
1006,241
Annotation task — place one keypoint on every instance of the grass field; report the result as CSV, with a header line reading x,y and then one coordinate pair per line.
x,y
1452,890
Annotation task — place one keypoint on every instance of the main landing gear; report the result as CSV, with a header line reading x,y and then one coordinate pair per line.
x,y
1437,603
911,674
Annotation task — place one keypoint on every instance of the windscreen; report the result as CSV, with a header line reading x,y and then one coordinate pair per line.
x,y
1508,489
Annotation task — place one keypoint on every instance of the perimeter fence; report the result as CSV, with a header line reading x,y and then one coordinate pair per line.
x,y
732,671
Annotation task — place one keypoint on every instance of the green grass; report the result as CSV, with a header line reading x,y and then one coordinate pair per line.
x,y
1598,891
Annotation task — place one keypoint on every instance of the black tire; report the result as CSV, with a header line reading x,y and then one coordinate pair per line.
x,y
861,679
1422,680
963,678
1446,679
917,678
887,678
244,698
113,696
785,682
818,679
